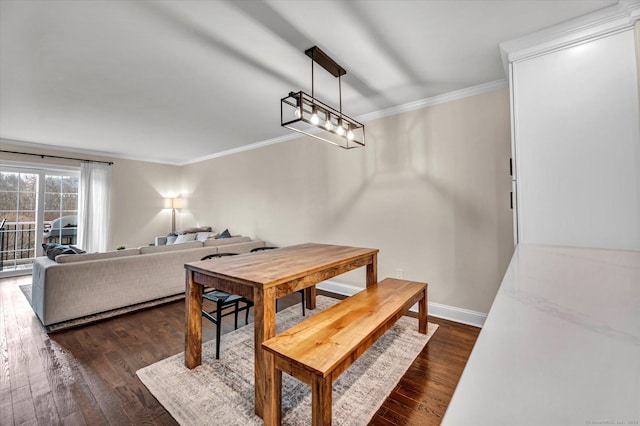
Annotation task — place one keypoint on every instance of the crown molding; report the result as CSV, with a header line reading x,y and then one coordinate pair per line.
x,y
435,100
422,103
618,17
107,155
243,148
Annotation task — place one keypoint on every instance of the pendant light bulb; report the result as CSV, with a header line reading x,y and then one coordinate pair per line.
x,y
350,135
340,129
328,125
314,118
298,112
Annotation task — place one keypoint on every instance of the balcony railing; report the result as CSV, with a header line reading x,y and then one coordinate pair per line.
x,y
17,245
18,242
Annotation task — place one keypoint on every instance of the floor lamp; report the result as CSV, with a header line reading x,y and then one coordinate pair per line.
x,y
173,204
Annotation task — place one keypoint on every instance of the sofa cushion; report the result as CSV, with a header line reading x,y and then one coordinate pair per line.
x,y
211,242
51,250
69,258
172,247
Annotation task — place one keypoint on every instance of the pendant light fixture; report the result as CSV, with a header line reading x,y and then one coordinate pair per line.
x,y
306,114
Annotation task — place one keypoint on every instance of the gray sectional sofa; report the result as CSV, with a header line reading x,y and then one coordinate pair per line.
x,y
75,286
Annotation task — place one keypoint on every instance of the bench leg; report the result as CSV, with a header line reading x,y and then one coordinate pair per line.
x,y
321,401
273,396
422,313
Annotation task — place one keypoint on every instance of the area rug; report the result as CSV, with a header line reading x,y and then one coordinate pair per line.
x,y
77,322
26,290
222,391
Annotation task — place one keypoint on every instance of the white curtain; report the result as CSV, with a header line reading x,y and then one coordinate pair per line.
x,y
93,206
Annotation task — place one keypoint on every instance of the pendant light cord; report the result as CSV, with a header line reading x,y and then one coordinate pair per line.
x,y
340,93
312,84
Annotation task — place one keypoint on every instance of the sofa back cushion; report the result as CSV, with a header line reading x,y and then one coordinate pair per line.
x,y
196,229
170,247
211,242
69,258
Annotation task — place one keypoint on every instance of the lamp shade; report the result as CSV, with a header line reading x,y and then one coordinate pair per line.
x,y
173,203
178,203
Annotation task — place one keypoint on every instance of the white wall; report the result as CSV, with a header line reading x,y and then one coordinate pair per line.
x,y
430,190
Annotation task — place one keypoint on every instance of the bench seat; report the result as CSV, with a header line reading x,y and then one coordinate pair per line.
x,y
319,349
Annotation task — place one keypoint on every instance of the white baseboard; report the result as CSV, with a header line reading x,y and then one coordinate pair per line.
x,y
437,310
452,313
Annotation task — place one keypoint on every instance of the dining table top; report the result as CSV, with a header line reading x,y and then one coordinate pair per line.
x,y
269,268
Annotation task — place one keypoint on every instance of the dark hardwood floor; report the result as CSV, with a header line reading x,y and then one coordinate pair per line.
x,y
87,375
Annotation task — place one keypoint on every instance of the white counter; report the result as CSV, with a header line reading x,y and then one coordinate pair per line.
x,y
561,343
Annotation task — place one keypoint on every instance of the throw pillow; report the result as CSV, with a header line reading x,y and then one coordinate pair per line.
x,y
202,236
185,238
51,250
171,239
224,234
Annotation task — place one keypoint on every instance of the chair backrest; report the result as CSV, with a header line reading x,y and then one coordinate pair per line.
x,y
211,256
262,248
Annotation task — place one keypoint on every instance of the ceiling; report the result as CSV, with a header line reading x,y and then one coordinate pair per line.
x,y
177,81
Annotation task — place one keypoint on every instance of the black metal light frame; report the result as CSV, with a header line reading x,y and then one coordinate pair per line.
x,y
297,110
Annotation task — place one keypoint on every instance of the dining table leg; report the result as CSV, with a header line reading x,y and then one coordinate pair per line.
x,y
264,317
310,297
193,322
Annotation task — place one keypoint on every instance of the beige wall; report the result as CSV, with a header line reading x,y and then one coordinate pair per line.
x,y
137,193
137,213
430,190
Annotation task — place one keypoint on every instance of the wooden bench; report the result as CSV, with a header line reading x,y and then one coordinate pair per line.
x,y
322,347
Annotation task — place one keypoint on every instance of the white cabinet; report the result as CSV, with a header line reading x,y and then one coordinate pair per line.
x,y
576,141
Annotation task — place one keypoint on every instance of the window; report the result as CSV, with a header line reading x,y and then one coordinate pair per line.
x,y
18,194
37,205
61,209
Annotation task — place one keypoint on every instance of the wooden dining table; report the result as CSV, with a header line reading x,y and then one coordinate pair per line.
x,y
264,277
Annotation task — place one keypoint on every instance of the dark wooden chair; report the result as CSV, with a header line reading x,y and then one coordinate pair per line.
x,y
223,302
299,291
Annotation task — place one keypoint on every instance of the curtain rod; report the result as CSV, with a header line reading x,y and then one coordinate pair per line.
x,y
57,156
